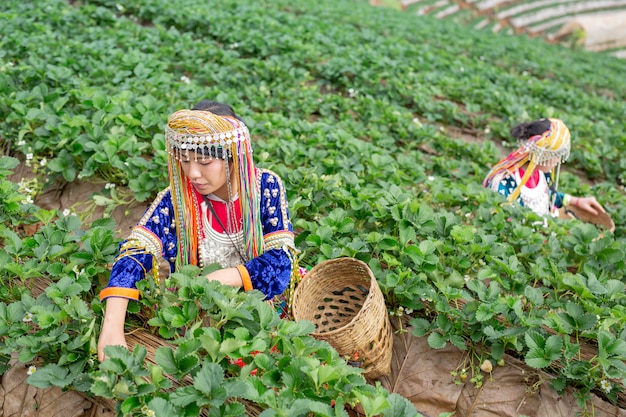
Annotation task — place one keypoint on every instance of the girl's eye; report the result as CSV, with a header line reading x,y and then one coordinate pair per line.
x,y
201,162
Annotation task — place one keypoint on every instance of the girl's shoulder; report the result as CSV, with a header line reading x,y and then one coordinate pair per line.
x,y
163,198
268,178
162,202
265,173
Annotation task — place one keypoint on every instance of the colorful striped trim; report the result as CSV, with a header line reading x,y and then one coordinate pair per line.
x,y
276,240
147,240
245,278
129,293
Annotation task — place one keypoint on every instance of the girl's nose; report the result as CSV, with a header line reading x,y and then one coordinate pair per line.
x,y
194,170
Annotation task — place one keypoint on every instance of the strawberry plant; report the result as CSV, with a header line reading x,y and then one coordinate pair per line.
x,y
361,112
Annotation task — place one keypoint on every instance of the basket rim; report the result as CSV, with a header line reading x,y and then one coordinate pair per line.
x,y
373,283
601,219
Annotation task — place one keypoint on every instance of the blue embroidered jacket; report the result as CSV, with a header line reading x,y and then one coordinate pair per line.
x,y
155,236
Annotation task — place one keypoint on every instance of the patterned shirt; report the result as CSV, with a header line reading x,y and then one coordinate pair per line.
x,y
537,198
154,238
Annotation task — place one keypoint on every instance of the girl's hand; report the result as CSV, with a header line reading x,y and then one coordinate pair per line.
x,y
110,337
228,276
112,333
589,204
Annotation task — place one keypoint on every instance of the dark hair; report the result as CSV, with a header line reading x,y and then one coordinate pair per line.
x,y
529,129
215,107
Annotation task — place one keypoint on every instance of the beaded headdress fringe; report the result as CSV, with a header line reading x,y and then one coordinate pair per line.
x,y
203,135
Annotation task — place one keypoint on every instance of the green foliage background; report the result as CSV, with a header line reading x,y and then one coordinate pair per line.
x,y
359,110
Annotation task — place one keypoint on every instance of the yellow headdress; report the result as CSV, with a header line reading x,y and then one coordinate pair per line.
x,y
207,136
551,144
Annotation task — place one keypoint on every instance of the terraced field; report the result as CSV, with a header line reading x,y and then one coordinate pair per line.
x,y
382,124
598,25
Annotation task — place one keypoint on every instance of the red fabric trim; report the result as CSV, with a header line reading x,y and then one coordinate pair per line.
x,y
220,210
533,181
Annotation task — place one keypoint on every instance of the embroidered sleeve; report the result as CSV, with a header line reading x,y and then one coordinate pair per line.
x,y
559,199
271,272
274,210
152,238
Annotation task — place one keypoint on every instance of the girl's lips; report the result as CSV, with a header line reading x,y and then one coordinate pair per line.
x,y
199,187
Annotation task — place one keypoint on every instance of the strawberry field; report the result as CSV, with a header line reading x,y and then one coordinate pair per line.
x,y
362,111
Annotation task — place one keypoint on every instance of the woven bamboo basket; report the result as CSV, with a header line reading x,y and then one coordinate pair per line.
x,y
342,298
600,220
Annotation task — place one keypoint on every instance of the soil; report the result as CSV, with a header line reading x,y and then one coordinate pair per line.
x,y
419,373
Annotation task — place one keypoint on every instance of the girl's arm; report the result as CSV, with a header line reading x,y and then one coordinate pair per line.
x,y
136,258
113,325
153,237
270,272
589,204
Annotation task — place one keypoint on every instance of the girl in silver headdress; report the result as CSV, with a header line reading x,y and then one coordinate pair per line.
x,y
218,209
530,174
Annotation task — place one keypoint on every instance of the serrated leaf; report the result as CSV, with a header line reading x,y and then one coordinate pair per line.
x,y
50,375
436,340
183,396
535,359
209,378
420,326
534,340
164,357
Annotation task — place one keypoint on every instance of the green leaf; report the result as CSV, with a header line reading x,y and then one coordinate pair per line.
x,y
15,245
229,346
164,357
211,346
407,233
608,345
389,244
163,408
209,378
535,359
185,395
130,404
534,295
420,326
400,406
534,340
372,405
484,312
554,344
187,364
187,347
436,340
458,341
50,375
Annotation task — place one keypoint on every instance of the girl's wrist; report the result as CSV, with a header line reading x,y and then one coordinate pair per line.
x,y
567,199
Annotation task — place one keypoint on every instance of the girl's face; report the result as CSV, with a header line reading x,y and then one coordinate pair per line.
x,y
207,176
548,166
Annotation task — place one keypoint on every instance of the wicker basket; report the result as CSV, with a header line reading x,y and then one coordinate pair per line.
x,y
342,298
601,220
